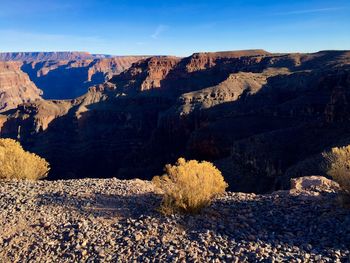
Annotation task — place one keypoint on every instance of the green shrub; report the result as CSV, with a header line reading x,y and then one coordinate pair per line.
x,y
15,163
188,186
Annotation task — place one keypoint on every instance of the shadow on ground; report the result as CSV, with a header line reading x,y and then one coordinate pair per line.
x,y
311,223
106,206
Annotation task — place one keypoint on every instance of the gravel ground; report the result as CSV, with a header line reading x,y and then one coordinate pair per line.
x,y
111,220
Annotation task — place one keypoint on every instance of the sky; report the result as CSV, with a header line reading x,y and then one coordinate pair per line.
x,y
169,27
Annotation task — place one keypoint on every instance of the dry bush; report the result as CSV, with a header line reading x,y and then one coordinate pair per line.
x,y
15,163
339,168
188,186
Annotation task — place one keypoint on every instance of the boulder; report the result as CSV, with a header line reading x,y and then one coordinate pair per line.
x,y
312,182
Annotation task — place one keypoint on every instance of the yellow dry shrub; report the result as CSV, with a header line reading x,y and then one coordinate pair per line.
x,y
188,186
339,169
16,163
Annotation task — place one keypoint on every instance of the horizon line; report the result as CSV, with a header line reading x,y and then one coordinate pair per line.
x,y
171,55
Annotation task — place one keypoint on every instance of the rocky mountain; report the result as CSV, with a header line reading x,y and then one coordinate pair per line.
x,y
15,86
260,117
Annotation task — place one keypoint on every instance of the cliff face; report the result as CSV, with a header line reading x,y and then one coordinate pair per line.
x,y
29,76
178,75
257,116
146,74
65,75
66,79
15,86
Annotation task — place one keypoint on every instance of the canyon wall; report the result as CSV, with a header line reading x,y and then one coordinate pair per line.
x,y
261,118
27,76
15,86
67,79
45,56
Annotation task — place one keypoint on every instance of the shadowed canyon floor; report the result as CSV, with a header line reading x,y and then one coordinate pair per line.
x,y
262,118
109,220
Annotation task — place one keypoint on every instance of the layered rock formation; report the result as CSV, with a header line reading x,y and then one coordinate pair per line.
x,y
45,56
25,76
259,117
67,79
15,86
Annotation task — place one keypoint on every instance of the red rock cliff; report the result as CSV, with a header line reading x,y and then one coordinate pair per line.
x,y
15,86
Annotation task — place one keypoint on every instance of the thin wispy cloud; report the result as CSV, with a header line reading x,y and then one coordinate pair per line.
x,y
310,11
158,31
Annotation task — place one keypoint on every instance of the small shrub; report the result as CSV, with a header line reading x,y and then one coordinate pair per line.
x,y
339,168
15,163
188,186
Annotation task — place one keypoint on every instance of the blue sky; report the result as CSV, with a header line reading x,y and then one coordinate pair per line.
x,y
132,27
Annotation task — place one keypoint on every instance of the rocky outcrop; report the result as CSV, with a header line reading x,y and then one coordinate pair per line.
x,y
112,66
146,74
179,75
313,182
257,116
15,86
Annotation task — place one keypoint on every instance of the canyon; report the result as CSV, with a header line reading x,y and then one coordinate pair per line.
x,y
15,86
63,75
46,56
262,118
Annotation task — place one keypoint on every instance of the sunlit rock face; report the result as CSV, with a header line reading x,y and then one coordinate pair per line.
x,y
15,86
68,79
66,75
260,117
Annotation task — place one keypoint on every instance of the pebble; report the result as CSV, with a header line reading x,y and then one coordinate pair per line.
x,y
111,220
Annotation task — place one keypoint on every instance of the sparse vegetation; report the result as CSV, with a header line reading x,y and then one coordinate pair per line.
x,y
16,163
339,169
188,186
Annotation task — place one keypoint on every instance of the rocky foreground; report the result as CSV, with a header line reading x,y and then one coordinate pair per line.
x,y
109,220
